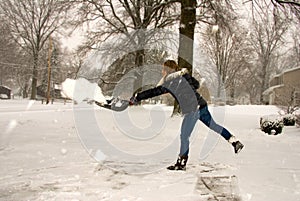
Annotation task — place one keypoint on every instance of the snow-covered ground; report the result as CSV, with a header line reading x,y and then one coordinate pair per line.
x,y
45,154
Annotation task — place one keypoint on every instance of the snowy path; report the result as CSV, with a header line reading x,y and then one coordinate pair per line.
x,y
42,158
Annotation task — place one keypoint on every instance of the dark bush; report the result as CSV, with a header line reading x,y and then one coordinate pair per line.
x,y
289,120
271,124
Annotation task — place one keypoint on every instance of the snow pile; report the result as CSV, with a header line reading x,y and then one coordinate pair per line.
x,y
271,124
81,89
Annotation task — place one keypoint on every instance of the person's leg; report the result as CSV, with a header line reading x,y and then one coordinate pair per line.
x,y
187,127
207,119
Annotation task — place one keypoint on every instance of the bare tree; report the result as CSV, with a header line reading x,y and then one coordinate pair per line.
x,y
31,22
8,55
127,18
73,62
293,54
296,48
13,62
291,5
267,36
224,41
290,57
240,55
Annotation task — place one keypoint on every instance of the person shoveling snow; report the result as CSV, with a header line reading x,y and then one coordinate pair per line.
x,y
183,88
177,82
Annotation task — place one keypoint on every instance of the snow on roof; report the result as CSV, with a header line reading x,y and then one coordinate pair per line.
x,y
269,90
5,87
286,71
292,69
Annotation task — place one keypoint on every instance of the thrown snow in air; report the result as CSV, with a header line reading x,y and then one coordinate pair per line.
x,y
81,89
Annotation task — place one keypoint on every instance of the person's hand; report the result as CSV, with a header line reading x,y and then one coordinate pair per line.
x,y
184,71
133,101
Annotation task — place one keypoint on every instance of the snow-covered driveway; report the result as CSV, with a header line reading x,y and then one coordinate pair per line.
x,y
42,158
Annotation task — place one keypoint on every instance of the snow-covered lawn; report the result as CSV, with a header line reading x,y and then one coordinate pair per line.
x,y
44,156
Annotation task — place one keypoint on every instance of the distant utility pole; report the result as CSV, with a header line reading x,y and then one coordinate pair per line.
x,y
49,70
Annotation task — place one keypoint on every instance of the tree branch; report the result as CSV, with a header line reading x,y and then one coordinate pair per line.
x,y
288,2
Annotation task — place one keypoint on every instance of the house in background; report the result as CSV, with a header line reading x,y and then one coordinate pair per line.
x,y
5,92
284,89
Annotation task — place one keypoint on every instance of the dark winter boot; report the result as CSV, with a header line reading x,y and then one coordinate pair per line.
x,y
180,164
237,145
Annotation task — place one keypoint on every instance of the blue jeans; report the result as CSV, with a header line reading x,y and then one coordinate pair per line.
x,y
188,125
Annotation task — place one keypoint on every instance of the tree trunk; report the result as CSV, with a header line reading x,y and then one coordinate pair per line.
x,y
25,90
186,39
139,57
34,77
265,79
49,71
186,30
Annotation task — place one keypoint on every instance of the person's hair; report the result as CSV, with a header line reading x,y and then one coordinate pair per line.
x,y
171,65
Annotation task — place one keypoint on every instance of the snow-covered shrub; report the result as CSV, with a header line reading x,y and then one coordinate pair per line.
x,y
289,120
271,124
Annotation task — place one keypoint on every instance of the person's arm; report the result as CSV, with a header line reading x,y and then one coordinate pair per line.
x,y
151,93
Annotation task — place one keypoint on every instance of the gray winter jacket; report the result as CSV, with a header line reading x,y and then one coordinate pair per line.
x,y
183,88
